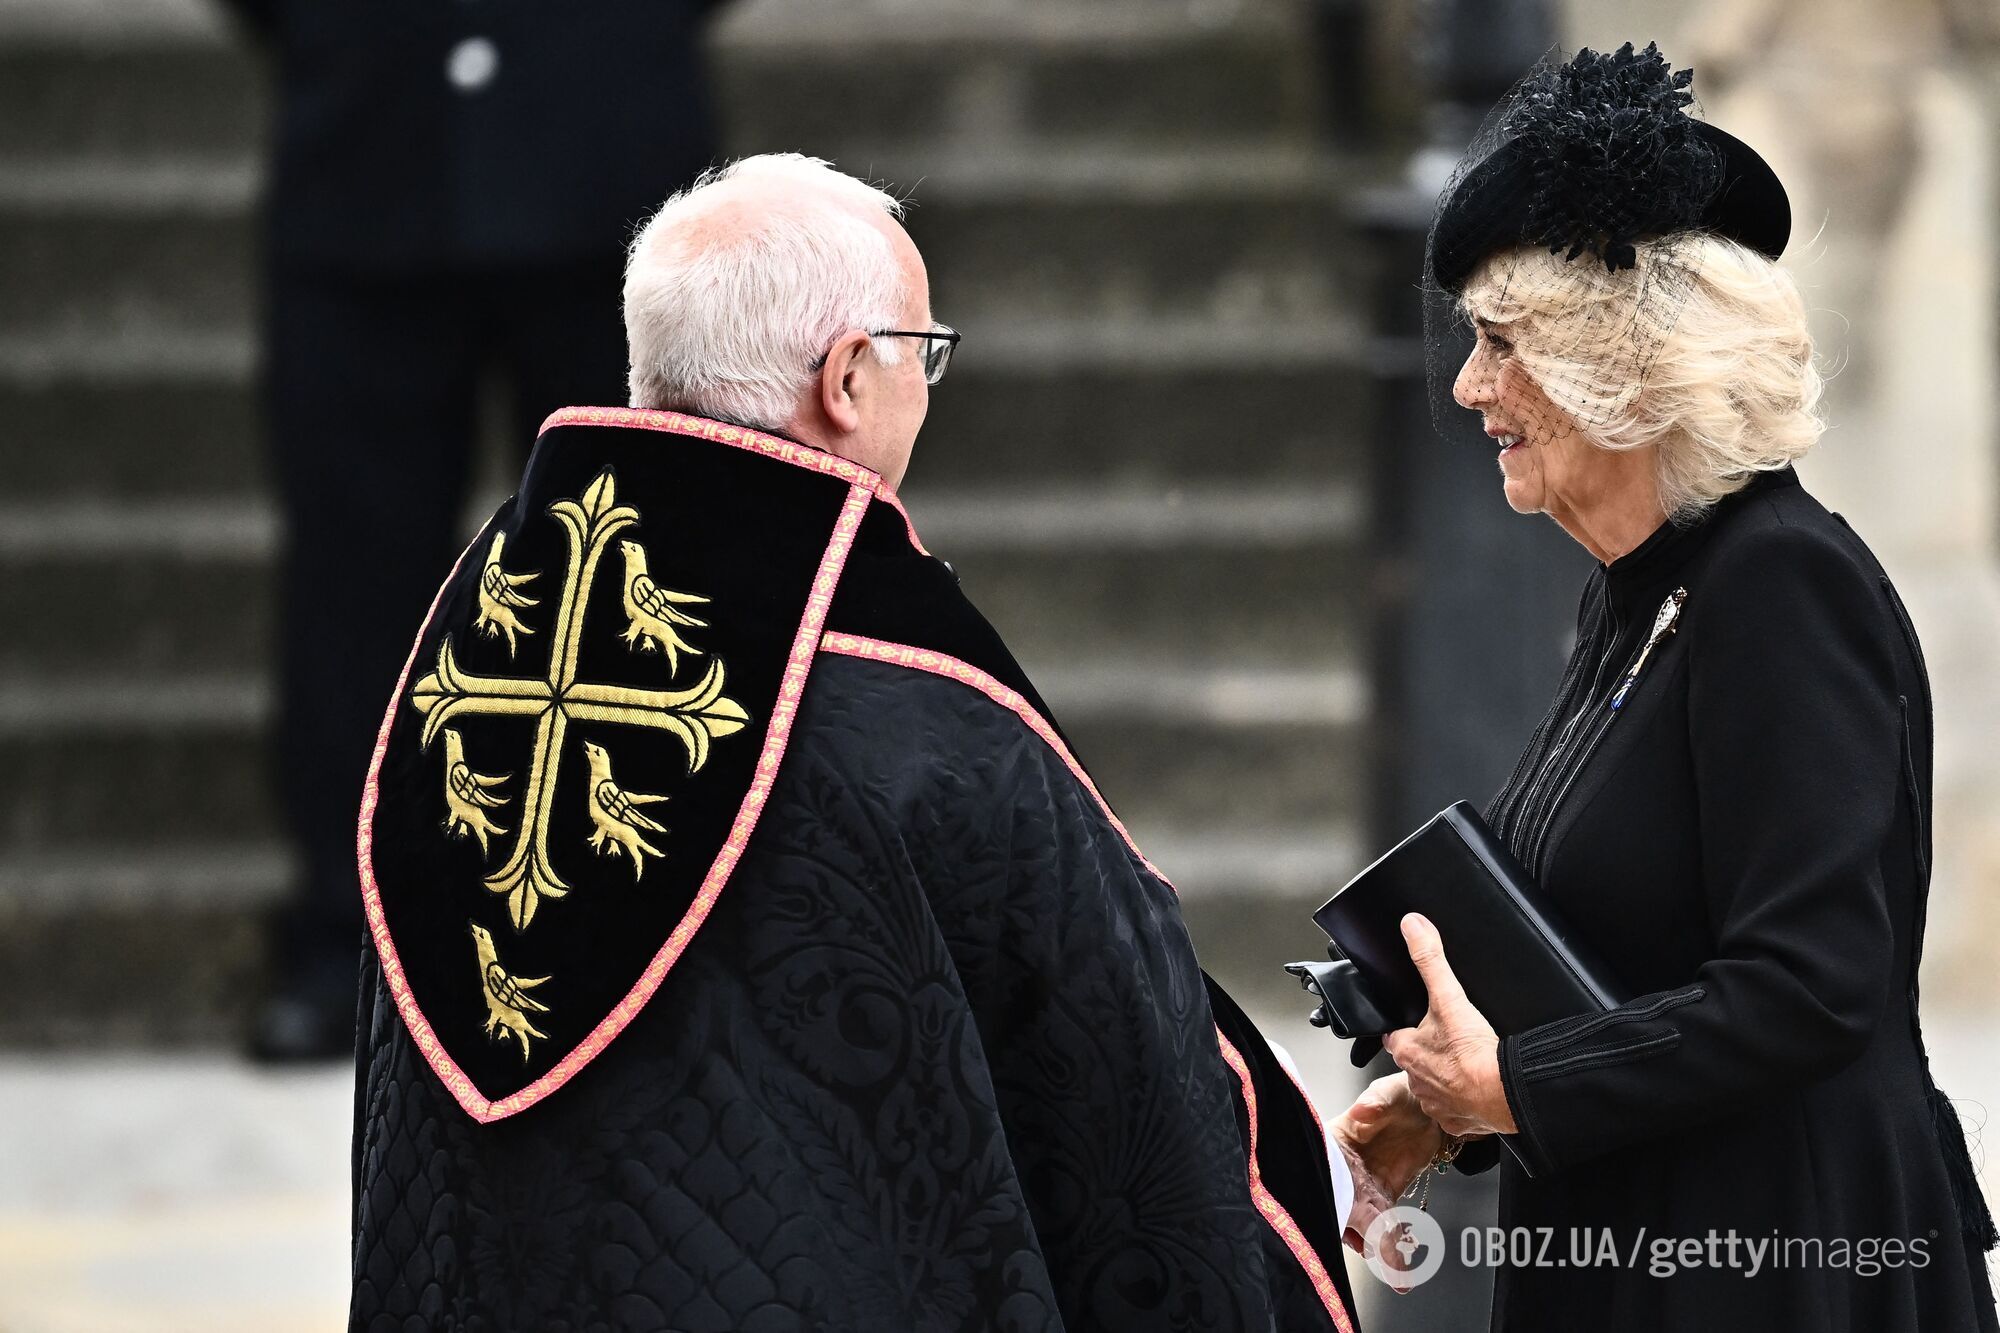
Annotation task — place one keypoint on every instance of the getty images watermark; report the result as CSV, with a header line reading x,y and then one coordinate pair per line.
x,y
1406,1247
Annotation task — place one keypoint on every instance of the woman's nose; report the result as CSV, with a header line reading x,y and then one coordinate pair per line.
x,y
1474,385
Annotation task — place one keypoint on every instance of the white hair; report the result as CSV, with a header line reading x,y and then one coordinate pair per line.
x,y
730,321
1731,389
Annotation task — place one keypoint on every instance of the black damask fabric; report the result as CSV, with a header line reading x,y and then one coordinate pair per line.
x,y
941,1059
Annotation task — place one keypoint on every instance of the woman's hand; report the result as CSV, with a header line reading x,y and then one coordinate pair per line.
x,y
1452,1057
1388,1141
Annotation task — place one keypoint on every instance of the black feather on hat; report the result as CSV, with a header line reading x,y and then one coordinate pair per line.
x,y
1596,155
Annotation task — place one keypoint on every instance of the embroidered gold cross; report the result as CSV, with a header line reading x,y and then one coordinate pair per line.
x,y
694,715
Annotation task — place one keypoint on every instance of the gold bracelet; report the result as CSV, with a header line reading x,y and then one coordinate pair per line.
x,y
1448,1154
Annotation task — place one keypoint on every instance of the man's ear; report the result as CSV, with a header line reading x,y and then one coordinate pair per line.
x,y
840,389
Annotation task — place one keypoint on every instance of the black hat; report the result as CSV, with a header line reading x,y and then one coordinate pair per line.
x,y
1594,155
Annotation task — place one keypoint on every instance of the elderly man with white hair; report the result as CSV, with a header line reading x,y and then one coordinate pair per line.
x,y
751,951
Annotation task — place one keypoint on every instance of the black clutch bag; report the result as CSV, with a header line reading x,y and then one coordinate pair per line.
x,y
1520,964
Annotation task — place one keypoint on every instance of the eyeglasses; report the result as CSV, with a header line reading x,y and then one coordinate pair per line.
x,y
939,341
938,344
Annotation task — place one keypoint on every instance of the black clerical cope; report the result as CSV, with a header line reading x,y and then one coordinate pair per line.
x,y
753,951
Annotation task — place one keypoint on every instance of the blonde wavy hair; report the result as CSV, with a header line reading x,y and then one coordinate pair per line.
x,y
1701,349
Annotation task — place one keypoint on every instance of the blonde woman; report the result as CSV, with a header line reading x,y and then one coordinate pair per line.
x,y
1730,795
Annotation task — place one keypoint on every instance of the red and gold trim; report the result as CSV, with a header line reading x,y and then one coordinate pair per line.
x,y
805,645
741,437
940,664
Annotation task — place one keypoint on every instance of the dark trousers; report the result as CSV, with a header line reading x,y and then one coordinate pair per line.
x,y
371,387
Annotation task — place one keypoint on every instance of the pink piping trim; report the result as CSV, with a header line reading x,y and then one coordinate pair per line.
x,y
941,664
742,437
797,667
853,645
1274,1212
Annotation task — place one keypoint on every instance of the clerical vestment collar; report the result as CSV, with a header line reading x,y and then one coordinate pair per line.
x,y
587,728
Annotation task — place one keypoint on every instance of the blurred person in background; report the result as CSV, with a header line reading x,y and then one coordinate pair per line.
x,y
1730,797
750,950
451,187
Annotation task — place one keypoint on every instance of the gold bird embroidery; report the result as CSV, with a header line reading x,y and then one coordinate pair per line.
x,y
508,1003
500,597
620,822
653,610
469,795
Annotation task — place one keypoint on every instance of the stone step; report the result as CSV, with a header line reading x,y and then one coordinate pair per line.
x,y
1280,256
79,258
1140,83
163,946
94,762
165,97
135,763
90,272
78,973
1186,416
82,437
1296,605
1183,419
1200,577
1146,75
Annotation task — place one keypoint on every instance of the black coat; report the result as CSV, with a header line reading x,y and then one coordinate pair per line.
x,y
937,1056
591,115
1746,840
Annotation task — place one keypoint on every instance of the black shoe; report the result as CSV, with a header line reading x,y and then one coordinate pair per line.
x,y
299,1028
